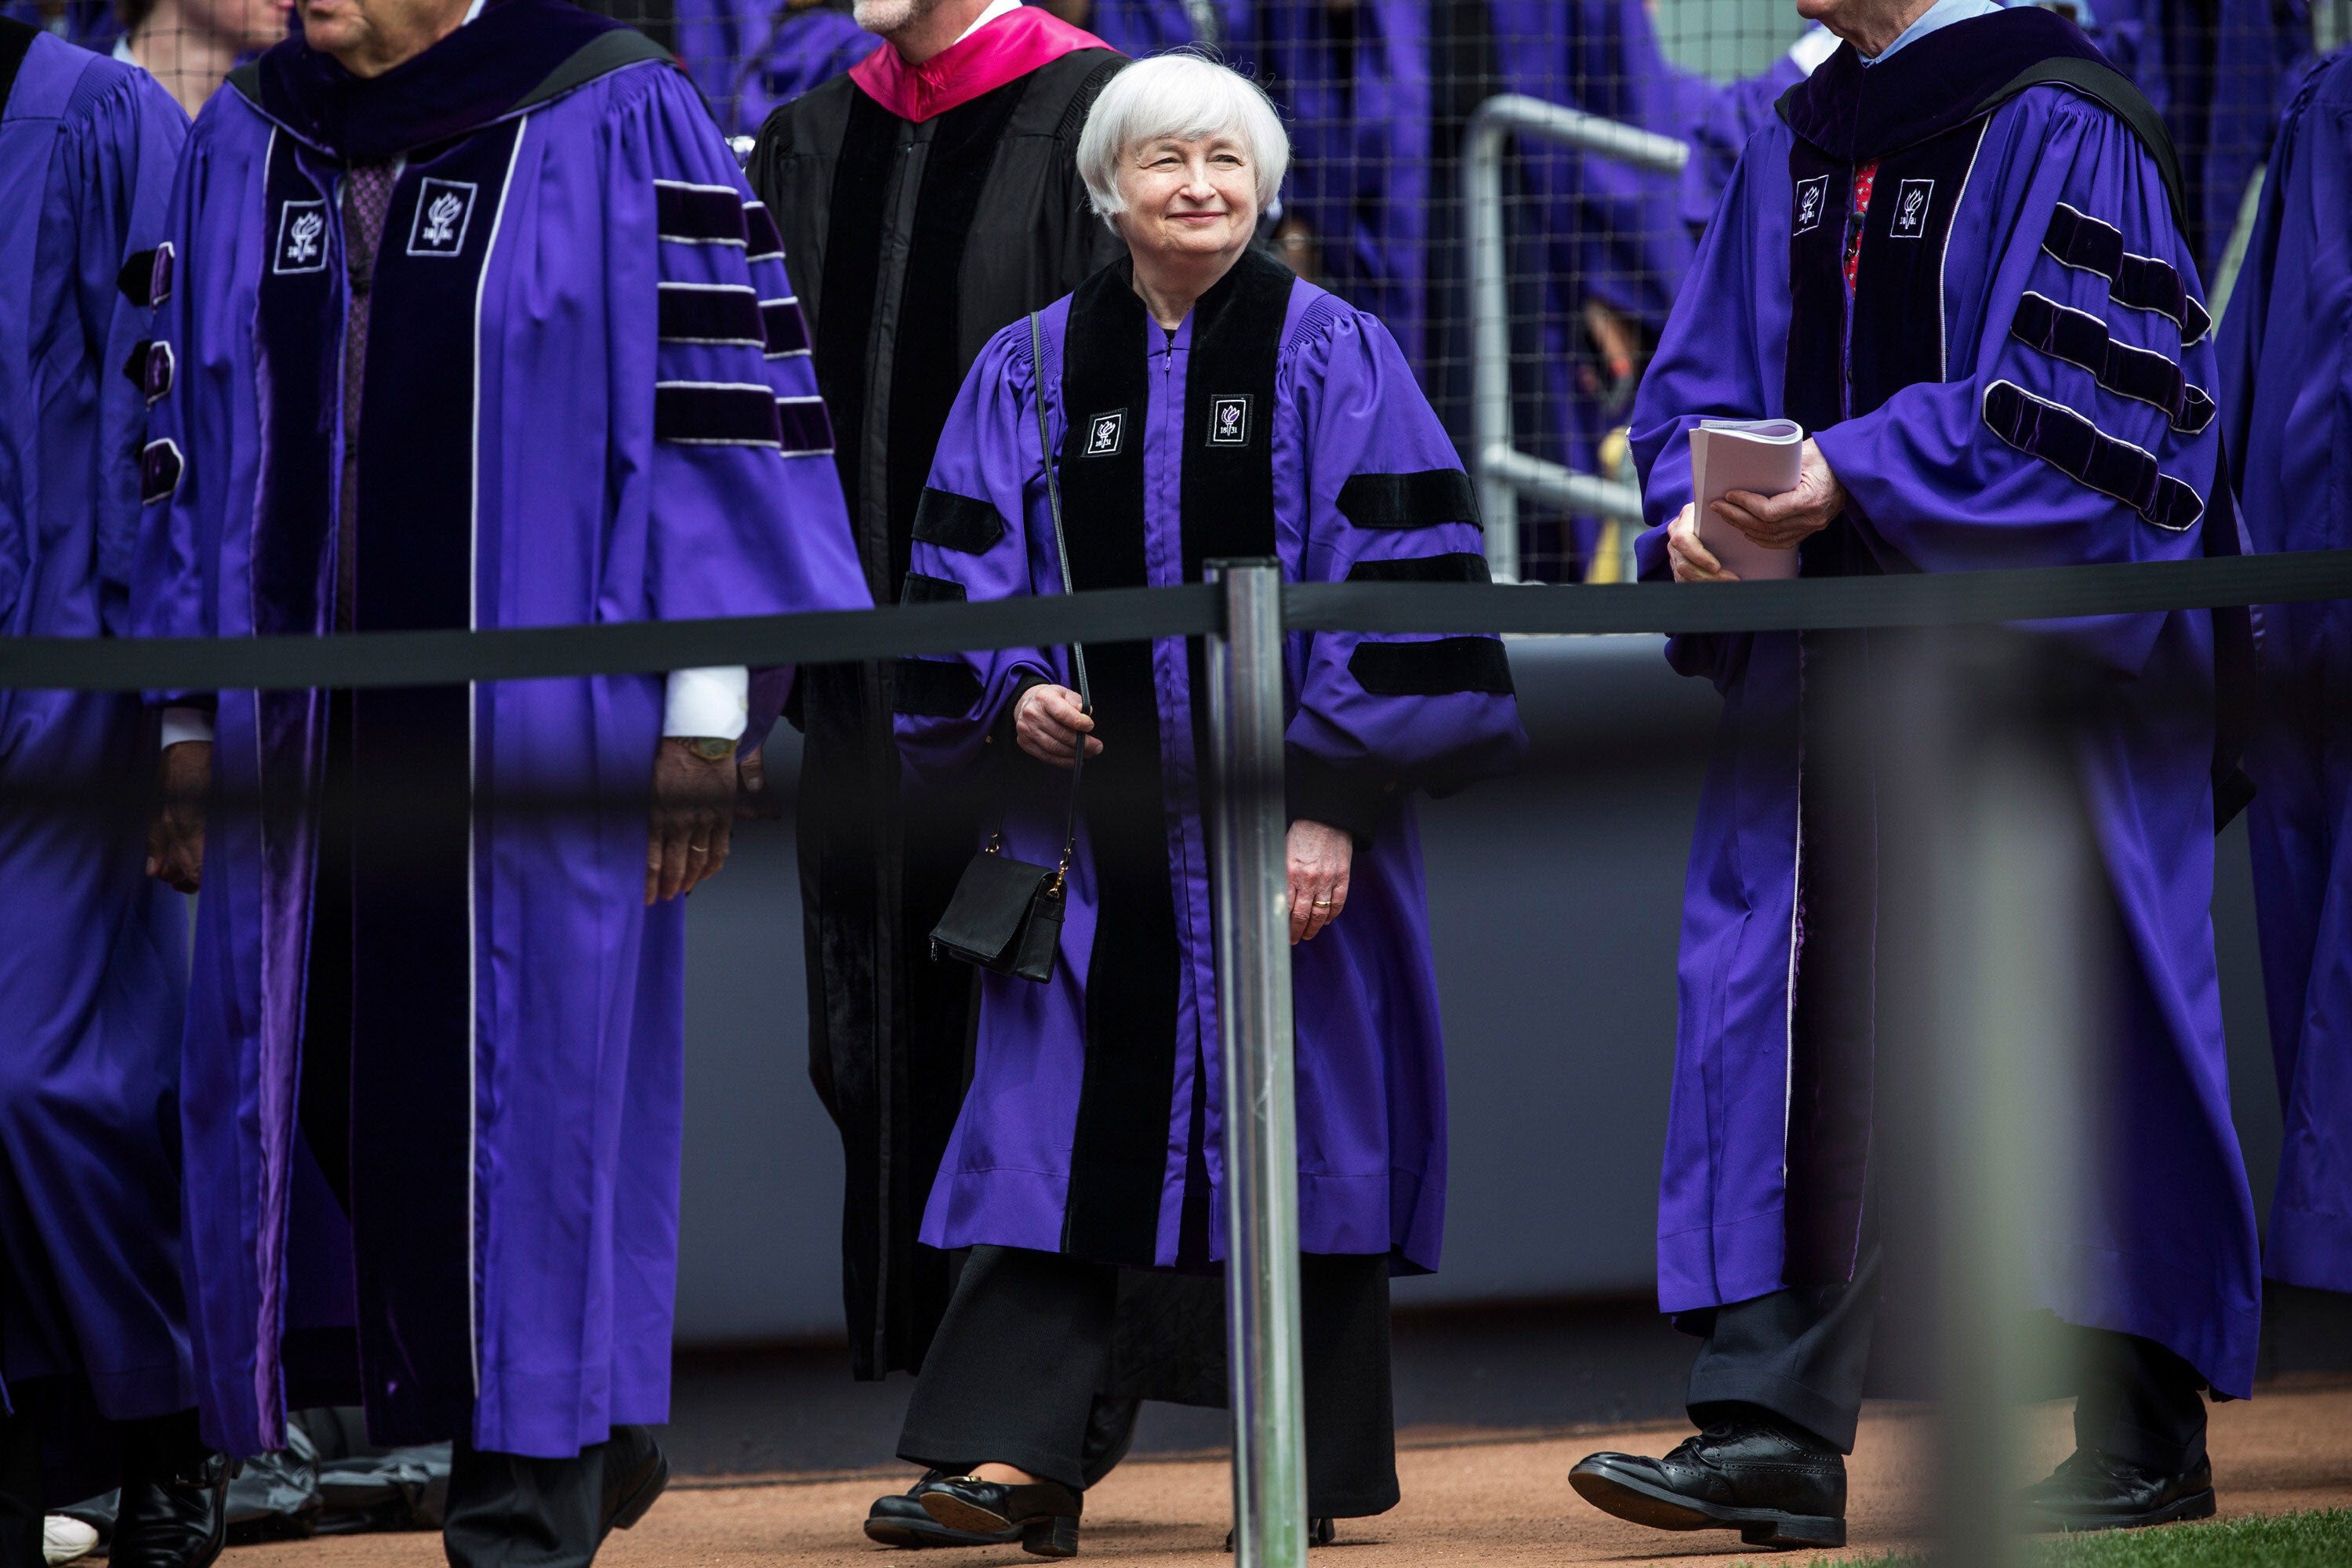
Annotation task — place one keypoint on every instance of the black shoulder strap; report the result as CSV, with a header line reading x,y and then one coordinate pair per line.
x,y
604,53
2112,90
246,79
15,42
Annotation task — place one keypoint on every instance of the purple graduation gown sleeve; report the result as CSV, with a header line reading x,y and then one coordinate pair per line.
x,y
2286,374
1370,1059
646,442
92,951
2167,1249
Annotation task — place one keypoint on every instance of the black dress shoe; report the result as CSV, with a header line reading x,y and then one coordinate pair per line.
x,y
899,1520
1044,1513
1321,1531
167,1521
2099,1491
1774,1483
637,1472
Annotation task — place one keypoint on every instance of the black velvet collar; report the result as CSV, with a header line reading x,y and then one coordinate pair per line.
x,y
494,65
1946,78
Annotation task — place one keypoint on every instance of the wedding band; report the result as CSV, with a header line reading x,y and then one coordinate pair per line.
x,y
699,849
1322,903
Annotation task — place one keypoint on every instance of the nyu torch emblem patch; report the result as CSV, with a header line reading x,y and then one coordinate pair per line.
x,y
1229,420
301,237
1911,204
443,210
1103,432
1812,196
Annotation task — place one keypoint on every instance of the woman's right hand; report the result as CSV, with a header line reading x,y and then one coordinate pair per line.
x,y
1049,724
1693,561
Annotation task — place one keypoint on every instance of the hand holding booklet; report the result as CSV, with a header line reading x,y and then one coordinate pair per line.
x,y
1760,456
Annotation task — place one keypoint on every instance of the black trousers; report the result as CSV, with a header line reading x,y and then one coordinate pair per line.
x,y
1026,1344
509,1510
20,1491
1801,1354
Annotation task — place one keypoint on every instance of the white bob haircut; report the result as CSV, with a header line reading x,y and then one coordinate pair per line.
x,y
1182,96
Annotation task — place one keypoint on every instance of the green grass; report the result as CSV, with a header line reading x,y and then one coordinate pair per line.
x,y
2322,1539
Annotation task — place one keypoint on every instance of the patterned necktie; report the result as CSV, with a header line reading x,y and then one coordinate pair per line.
x,y
367,195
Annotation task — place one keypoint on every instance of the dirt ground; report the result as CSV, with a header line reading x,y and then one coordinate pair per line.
x,y
1475,1499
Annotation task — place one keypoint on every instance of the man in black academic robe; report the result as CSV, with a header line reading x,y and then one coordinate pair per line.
x,y
927,198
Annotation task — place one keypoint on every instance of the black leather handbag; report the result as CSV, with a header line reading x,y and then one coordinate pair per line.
x,y
1007,914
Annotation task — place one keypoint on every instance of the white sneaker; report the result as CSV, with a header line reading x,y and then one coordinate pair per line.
x,y
63,1540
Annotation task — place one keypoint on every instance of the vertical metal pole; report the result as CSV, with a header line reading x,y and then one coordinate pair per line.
x,y
2001,912
1251,889
1490,341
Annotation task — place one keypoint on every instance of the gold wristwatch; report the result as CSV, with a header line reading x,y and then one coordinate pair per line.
x,y
710,748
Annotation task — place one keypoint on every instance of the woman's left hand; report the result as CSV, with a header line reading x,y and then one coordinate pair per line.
x,y
1320,858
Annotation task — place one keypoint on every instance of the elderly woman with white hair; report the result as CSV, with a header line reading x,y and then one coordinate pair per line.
x,y
1199,402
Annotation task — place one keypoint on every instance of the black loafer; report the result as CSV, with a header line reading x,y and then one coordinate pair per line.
x,y
174,1521
1778,1486
635,1472
1044,1513
899,1520
2099,1491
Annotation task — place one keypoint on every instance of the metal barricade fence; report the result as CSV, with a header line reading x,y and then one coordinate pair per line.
x,y
1502,471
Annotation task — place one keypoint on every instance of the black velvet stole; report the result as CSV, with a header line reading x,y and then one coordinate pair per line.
x,y
412,1146
1835,370
1118,1163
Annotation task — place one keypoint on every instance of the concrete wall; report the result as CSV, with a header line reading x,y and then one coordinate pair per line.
x,y
1554,901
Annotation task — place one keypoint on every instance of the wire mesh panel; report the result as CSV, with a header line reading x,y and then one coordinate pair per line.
x,y
1378,94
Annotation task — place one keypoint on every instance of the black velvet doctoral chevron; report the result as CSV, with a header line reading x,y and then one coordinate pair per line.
x,y
2074,446
936,687
1421,500
1453,566
732,415
920,588
2142,282
698,214
1434,666
710,316
2081,338
957,522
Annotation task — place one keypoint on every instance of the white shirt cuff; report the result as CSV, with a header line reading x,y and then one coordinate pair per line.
x,y
714,701
186,724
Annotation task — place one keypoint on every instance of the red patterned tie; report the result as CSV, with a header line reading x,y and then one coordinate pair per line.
x,y
1857,208
367,194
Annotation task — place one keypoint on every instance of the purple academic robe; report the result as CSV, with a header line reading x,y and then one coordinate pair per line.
x,y
749,60
92,953
1969,434
1322,452
2286,372
588,399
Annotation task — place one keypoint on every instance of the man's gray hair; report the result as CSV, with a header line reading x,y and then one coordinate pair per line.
x,y
1182,96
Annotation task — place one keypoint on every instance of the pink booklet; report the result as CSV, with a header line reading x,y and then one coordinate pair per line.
x,y
1756,455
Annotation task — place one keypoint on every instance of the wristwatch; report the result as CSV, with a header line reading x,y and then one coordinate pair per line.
x,y
710,748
